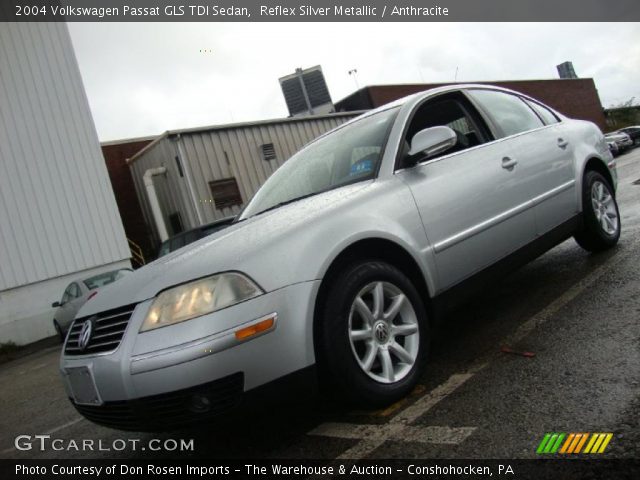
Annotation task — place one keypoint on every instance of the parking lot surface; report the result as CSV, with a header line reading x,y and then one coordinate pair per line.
x,y
570,325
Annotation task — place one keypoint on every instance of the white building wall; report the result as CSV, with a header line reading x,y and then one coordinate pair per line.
x,y
58,214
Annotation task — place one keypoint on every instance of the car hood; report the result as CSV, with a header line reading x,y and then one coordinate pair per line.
x,y
235,248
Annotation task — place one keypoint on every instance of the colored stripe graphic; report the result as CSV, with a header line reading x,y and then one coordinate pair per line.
x,y
606,442
567,443
572,443
581,443
543,443
551,443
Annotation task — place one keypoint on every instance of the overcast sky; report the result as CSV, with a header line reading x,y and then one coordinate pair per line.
x,y
143,79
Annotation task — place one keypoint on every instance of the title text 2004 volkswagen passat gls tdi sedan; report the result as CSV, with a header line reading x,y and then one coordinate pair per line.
x,y
343,259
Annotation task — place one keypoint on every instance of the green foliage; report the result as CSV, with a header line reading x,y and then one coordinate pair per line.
x,y
632,102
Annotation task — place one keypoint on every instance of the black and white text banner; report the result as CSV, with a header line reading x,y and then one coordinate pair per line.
x,y
320,10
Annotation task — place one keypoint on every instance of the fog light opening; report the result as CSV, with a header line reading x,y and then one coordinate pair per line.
x,y
199,404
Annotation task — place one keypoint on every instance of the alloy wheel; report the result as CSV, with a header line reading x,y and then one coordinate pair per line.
x,y
604,208
384,332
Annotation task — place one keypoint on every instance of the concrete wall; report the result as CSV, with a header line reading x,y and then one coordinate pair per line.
x,y
26,311
58,215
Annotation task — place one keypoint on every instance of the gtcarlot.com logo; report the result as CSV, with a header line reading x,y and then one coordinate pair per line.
x,y
46,442
574,443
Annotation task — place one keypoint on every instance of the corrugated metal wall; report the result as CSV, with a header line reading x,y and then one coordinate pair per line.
x,y
57,210
217,153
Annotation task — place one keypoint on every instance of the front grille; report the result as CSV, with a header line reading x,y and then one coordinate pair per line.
x,y
168,411
108,330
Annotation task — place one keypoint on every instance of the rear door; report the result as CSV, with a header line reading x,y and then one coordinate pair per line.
x,y
472,199
543,146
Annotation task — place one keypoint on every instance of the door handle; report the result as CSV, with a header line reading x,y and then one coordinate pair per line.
x,y
562,143
509,163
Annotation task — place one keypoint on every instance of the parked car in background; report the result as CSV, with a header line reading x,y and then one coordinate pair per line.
x,y
613,147
621,139
190,236
344,259
633,132
76,294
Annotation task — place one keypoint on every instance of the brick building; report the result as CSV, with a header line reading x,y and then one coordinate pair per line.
x,y
576,98
115,155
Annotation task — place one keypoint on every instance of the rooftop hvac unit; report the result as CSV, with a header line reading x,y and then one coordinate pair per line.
x,y
306,92
565,70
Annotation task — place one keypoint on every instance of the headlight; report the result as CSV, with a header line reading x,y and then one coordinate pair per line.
x,y
198,298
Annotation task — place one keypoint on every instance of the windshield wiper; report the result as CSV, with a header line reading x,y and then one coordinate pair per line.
x,y
286,202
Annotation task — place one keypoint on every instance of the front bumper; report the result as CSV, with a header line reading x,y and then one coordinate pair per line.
x,y
161,370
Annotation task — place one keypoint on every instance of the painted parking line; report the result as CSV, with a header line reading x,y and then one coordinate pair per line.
x,y
398,428
373,436
48,432
391,431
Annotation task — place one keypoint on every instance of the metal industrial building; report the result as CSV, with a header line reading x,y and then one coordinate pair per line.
x,y
58,215
203,174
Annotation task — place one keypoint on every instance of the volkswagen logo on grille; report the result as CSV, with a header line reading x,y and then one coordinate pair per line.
x,y
381,332
85,334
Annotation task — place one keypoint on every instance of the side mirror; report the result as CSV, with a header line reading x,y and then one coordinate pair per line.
x,y
56,304
429,142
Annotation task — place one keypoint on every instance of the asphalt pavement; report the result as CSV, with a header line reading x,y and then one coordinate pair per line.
x,y
570,323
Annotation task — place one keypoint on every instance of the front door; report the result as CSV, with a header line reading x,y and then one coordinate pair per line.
x,y
472,199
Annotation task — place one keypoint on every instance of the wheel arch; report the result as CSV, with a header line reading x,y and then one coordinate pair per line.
x,y
373,248
598,165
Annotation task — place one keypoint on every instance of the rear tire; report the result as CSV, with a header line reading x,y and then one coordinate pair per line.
x,y
601,217
373,336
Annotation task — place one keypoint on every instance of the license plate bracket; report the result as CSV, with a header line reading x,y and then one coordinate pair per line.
x,y
82,385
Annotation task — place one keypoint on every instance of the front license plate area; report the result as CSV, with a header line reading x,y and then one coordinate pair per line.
x,y
83,387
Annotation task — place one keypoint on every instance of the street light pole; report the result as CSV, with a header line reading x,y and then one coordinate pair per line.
x,y
354,72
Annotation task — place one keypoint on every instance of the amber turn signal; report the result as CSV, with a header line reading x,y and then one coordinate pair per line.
x,y
254,329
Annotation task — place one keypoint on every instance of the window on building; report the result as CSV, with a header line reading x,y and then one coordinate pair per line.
x,y
175,220
179,166
509,112
268,151
225,193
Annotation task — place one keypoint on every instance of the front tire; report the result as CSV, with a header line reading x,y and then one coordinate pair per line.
x,y
601,217
373,337
59,331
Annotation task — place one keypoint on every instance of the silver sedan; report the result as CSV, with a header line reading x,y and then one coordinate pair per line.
x,y
344,260
76,295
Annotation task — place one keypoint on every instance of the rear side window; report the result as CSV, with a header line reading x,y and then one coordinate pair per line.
x,y
547,116
508,112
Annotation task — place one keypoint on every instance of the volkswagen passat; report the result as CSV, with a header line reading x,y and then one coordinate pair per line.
x,y
344,259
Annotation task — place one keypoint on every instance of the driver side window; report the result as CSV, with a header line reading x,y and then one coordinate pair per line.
x,y
453,111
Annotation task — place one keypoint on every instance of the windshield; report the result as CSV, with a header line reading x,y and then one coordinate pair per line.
x,y
105,278
348,155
